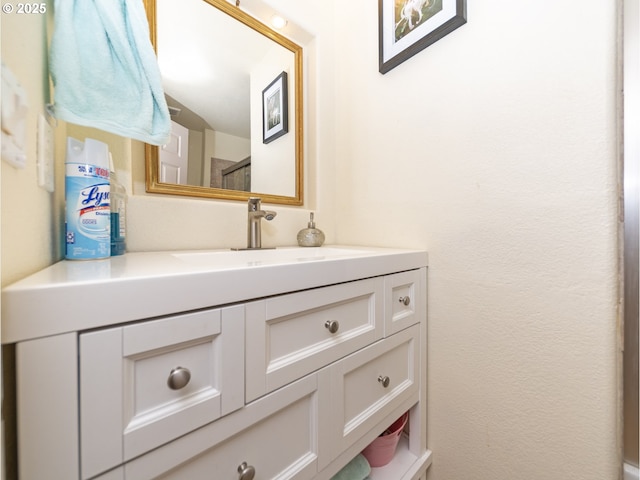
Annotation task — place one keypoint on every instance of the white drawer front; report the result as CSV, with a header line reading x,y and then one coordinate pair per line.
x,y
360,395
129,406
402,300
275,435
292,335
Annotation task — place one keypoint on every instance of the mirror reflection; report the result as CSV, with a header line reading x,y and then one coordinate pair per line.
x,y
233,87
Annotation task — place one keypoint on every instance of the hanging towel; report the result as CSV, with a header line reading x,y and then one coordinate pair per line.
x,y
357,469
104,70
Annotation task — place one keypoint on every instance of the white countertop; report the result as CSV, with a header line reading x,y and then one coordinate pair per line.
x,y
78,295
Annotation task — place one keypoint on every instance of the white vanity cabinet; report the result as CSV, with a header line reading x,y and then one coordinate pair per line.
x,y
274,437
291,335
369,385
269,382
403,295
144,384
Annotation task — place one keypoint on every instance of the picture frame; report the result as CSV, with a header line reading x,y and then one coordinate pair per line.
x,y
275,109
405,27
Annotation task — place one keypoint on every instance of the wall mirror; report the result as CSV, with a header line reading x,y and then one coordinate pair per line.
x,y
234,90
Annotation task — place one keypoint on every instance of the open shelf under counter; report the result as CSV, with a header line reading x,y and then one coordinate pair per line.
x,y
404,463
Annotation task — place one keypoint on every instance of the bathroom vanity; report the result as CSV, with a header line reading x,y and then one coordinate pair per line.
x,y
269,364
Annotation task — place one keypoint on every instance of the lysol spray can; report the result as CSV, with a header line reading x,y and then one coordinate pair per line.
x,y
88,212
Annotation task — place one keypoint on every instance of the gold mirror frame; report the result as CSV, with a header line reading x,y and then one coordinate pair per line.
x,y
152,176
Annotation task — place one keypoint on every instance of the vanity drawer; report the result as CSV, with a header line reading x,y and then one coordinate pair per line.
x,y
369,385
292,335
403,300
276,436
142,385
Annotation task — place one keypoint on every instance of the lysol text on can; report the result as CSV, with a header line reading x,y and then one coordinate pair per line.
x,y
88,212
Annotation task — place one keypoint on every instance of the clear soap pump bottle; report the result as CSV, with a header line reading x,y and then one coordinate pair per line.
x,y
310,236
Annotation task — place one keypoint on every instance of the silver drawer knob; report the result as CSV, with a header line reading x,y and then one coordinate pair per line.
x,y
247,472
384,380
332,326
178,378
405,300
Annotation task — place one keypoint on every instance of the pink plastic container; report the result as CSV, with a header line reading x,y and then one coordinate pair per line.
x,y
381,451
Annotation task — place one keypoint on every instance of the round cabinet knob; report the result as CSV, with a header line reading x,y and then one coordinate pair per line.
x,y
384,380
247,472
178,378
332,326
405,300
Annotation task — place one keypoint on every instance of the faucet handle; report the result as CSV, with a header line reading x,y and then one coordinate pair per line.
x,y
254,204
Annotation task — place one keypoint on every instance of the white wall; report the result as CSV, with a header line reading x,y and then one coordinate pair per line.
x,y
28,211
495,149
271,167
195,168
223,146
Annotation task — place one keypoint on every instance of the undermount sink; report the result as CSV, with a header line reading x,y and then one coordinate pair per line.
x,y
254,258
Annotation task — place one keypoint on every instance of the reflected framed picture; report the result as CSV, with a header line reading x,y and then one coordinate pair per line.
x,y
275,109
405,27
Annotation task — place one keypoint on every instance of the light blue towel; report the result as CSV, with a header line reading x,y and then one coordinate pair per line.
x,y
357,469
105,71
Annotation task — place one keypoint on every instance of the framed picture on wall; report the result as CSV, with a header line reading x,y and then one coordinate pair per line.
x,y
275,109
406,27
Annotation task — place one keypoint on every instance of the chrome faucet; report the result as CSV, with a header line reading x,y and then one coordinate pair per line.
x,y
254,237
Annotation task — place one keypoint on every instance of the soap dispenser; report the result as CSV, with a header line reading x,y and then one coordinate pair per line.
x,y
310,236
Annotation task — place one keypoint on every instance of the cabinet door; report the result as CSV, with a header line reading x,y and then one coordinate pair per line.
x,y
275,436
47,416
289,336
404,295
144,384
368,386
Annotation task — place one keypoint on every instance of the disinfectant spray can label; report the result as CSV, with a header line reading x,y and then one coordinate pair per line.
x,y
88,212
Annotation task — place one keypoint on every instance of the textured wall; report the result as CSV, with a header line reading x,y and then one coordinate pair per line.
x,y
495,149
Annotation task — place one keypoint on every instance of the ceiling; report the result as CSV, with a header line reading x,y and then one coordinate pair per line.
x,y
205,57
